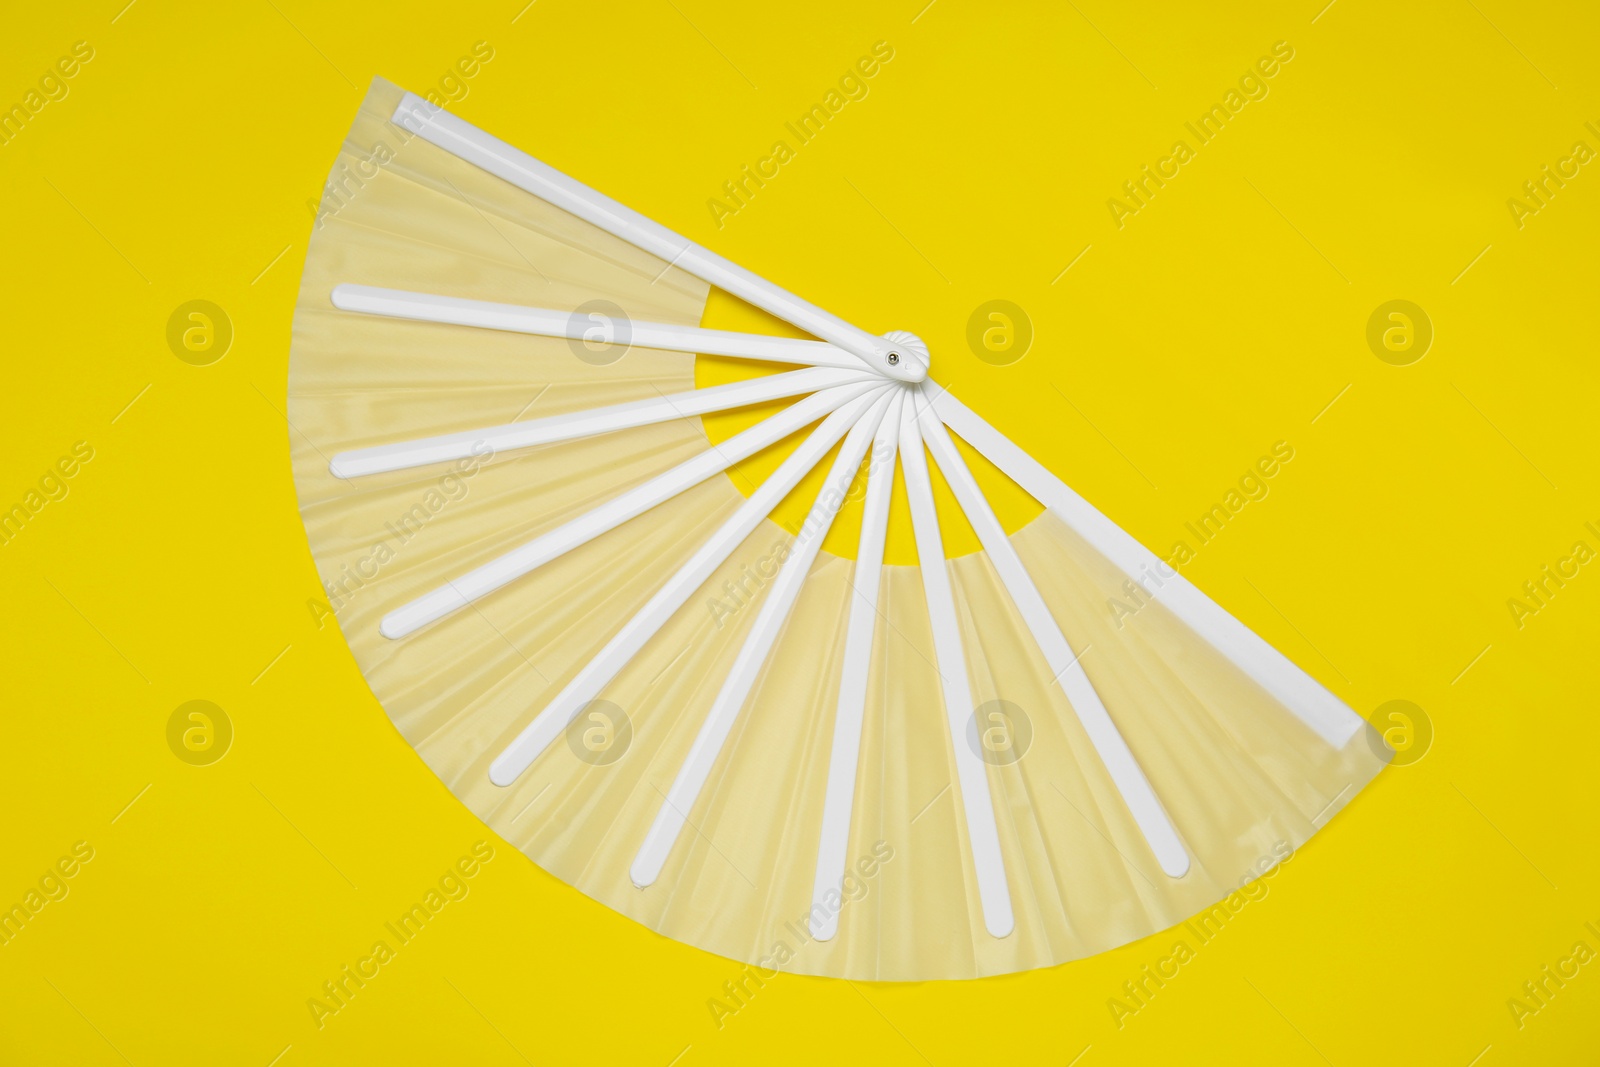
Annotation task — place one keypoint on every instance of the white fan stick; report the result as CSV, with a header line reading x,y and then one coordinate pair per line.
x,y
588,682
850,709
549,322
466,141
769,623
501,570
1302,694
1108,741
972,782
492,440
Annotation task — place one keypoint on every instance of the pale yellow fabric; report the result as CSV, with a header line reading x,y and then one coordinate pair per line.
x,y
1242,779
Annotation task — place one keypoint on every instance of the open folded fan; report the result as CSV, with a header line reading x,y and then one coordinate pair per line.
x,y
627,669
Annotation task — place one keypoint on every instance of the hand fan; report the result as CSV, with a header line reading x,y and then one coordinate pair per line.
x,y
619,660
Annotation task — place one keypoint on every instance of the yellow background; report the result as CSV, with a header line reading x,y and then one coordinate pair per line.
x,y
1223,317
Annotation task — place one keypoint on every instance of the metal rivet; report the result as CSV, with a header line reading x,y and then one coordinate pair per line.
x,y
894,358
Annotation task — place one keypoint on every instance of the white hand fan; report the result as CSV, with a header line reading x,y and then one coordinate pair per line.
x,y
629,671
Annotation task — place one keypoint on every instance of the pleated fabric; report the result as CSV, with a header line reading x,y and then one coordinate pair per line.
x,y
1243,780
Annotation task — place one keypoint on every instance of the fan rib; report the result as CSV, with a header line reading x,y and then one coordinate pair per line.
x,y
1307,698
983,834
552,322
458,593
850,709
663,407
1065,667
626,643
462,139
776,607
